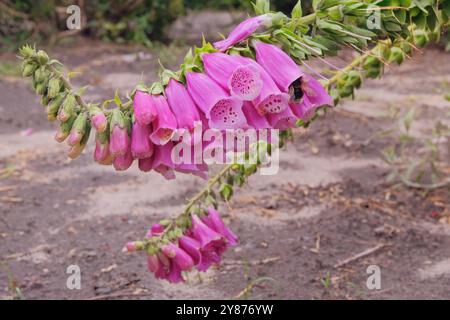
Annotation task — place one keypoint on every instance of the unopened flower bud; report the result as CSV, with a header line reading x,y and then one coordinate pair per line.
x,y
64,129
122,163
133,246
120,140
53,107
42,57
78,129
397,55
28,68
101,152
54,86
41,74
77,149
40,88
27,52
98,119
45,100
67,108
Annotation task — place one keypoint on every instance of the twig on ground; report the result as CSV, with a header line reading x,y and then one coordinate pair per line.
x,y
360,255
119,295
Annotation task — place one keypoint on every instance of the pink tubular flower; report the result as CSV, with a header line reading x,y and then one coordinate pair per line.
x,y
144,109
214,221
165,124
243,31
283,120
192,247
242,81
155,230
178,256
270,99
119,142
141,146
101,151
145,165
122,163
288,76
99,122
222,111
254,119
162,161
212,243
283,70
182,106
315,92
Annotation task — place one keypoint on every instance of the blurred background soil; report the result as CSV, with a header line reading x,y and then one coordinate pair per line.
x,y
309,232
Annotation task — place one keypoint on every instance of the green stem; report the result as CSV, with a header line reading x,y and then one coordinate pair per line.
x,y
69,87
207,189
358,61
306,20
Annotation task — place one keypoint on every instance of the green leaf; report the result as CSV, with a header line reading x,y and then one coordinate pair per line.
x,y
117,100
297,10
226,191
261,6
408,119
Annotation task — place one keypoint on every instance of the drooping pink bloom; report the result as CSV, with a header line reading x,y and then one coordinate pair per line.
x,y
165,124
122,163
214,221
212,243
270,99
178,256
101,151
283,70
315,92
174,275
242,81
182,106
141,146
99,122
243,31
288,76
283,120
145,165
144,109
155,229
153,263
192,247
162,161
119,142
254,119
133,246
222,111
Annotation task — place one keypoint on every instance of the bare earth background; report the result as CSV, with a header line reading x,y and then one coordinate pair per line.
x,y
329,202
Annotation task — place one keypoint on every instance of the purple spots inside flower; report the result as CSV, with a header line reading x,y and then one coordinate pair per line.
x,y
245,83
227,114
274,103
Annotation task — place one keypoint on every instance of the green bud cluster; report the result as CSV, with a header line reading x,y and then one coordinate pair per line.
x,y
60,103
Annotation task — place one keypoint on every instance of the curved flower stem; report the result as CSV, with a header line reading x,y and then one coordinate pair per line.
x,y
306,20
356,62
208,187
69,87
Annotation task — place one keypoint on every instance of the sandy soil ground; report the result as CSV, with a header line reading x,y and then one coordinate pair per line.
x,y
329,202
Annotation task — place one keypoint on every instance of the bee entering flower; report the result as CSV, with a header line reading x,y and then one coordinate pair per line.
x,y
295,91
